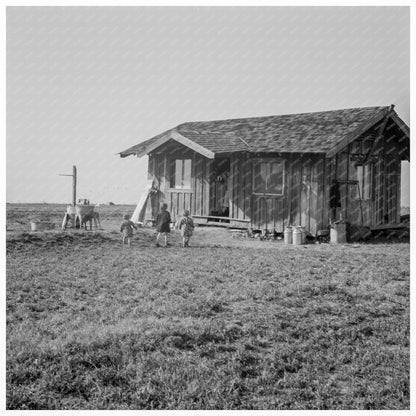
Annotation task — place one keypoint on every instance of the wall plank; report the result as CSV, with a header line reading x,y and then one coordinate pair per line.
x,y
209,188
296,190
248,184
305,190
198,185
239,187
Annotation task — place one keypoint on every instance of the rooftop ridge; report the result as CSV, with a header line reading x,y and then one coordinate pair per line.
x,y
313,132
282,115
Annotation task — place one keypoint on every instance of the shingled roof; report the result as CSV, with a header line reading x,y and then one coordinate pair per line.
x,y
319,132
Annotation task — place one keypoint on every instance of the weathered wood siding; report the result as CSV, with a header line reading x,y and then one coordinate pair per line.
x,y
381,203
195,199
301,203
306,188
241,186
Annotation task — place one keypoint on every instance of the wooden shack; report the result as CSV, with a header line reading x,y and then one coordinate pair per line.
x,y
271,172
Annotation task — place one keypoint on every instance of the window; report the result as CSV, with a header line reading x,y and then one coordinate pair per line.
x,y
364,181
268,177
181,174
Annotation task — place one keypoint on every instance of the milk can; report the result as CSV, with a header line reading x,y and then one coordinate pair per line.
x,y
297,236
288,235
339,232
302,229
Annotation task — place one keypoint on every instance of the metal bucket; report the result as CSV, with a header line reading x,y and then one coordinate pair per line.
x,y
41,225
288,235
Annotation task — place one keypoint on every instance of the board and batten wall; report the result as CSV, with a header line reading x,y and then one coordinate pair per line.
x,y
307,182
265,212
303,201
196,199
300,204
381,205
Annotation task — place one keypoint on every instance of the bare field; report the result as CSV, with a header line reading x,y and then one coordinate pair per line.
x,y
225,324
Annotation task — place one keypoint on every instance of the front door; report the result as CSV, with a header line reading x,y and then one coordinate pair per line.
x,y
219,192
309,196
268,198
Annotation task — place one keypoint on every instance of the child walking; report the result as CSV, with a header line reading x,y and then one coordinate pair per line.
x,y
187,228
127,229
163,224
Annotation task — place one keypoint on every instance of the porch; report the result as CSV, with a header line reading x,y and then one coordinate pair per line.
x,y
218,221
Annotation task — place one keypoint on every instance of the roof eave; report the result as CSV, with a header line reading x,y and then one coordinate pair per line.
x,y
402,125
126,153
192,145
173,135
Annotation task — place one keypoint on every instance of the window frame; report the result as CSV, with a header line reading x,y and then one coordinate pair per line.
x,y
366,179
269,161
172,174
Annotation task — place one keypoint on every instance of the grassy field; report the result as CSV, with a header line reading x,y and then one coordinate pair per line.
x,y
226,324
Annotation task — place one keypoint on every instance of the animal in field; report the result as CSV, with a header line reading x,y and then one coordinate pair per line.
x,y
69,216
93,217
80,215
84,214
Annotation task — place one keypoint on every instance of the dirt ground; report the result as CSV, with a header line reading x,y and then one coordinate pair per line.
x,y
230,323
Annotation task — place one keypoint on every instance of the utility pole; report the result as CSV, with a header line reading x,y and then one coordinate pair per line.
x,y
74,184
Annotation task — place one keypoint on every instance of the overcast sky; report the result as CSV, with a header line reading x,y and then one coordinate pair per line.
x,y
84,83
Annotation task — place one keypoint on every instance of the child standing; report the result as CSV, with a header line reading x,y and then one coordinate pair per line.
x,y
127,229
163,224
187,228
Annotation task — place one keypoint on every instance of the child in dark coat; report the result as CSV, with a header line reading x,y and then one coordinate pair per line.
x,y
163,224
127,229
